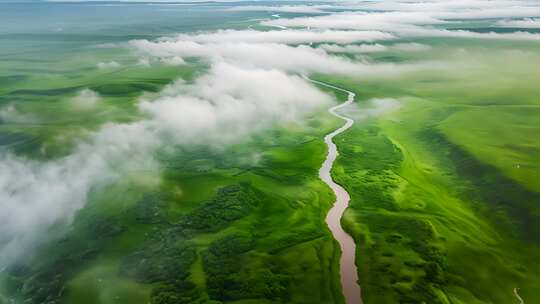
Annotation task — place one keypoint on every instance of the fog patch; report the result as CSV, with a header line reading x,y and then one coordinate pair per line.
x,y
145,62
231,102
287,36
416,19
10,114
305,9
225,106
411,47
374,107
300,59
360,49
108,65
380,106
86,99
174,61
523,23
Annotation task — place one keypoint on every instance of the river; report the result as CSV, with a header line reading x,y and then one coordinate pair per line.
x,y
348,270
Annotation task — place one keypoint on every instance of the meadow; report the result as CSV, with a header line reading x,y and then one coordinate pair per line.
x,y
442,164
236,224
223,227
444,184
242,223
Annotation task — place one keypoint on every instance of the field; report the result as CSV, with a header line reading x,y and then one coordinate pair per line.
x,y
444,183
244,225
237,224
110,204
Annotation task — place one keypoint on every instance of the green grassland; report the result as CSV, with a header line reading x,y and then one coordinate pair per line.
x,y
236,224
240,225
445,188
445,196
44,97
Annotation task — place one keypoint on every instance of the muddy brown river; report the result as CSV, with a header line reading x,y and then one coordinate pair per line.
x,y
348,270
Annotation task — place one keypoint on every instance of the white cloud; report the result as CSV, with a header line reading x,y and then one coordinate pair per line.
x,y
460,9
174,60
450,10
35,195
373,48
86,99
385,21
380,106
360,49
523,23
373,108
411,47
305,9
107,65
246,88
10,114
300,59
287,36
225,105
230,102
431,32
401,24
145,62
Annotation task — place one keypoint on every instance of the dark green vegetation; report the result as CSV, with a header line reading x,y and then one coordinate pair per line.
x,y
182,244
45,107
241,224
244,224
444,188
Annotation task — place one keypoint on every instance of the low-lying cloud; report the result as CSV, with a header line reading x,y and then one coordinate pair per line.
x,y
227,104
382,21
374,48
231,102
424,19
107,65
287,36
411,47
304,9
523,23
373,107
86,98
298,59
253,82
360,49
10,114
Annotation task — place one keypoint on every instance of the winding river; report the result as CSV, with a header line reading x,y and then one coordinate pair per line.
x,y
348,270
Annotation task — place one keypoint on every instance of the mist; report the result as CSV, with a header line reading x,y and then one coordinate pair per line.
x,y
253,82
224,106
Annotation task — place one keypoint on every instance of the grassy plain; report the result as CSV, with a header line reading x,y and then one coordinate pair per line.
x,y
445,186
238,224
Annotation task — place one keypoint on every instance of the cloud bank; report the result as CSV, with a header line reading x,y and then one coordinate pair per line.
x,y
253,82
107,65
297,59
86,98
523,23
10,114
360,49
305,9
424,18
227,104
288,36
